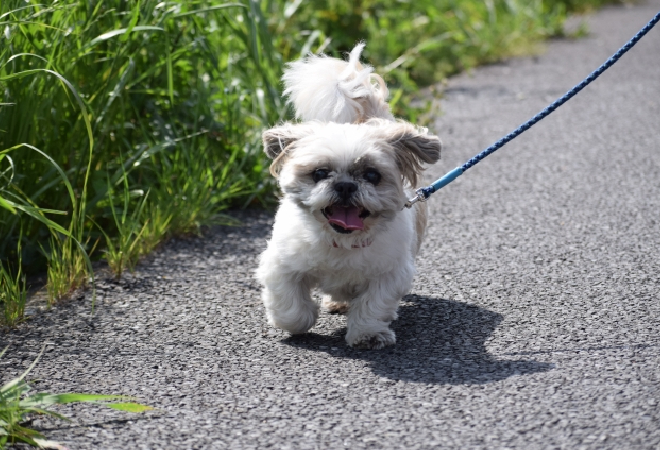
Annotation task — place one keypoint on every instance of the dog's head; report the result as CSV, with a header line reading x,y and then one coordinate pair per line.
x,y
350,177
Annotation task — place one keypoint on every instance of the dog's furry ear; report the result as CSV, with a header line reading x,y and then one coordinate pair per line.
x,y
412,145
280,140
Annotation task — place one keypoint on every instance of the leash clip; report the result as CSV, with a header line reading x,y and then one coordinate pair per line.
x,y
420,197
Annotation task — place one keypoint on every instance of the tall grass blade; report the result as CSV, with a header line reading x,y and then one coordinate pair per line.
x,y
121,31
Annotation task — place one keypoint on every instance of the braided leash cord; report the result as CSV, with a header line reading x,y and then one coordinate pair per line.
x,y
424,193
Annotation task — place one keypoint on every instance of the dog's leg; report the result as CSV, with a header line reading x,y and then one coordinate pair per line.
x,y
288,303
370,314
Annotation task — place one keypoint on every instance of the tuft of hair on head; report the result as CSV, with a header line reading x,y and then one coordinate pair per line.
x,y
331,90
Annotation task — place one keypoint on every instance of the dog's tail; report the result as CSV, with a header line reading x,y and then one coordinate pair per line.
x,y
332,90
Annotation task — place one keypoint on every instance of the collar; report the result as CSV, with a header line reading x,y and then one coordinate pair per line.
x,y
362,244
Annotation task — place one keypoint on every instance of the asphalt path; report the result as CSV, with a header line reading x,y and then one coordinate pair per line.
x,y
534,321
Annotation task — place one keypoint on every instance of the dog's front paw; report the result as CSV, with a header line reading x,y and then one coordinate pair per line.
x,y
372,341
295,321
295,315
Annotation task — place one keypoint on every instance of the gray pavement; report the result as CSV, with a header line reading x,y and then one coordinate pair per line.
x,y
534,321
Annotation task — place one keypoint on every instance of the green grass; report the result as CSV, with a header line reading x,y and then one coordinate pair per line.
x,y
423,41
125,250
17,405
158,96
13,294
125,122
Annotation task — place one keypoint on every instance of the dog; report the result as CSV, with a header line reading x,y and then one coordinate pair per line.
x,y
345,172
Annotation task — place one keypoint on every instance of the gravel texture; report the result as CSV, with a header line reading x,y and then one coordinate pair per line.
x,y
534,320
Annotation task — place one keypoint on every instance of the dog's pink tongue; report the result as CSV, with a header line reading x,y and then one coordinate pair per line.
x,y
346,217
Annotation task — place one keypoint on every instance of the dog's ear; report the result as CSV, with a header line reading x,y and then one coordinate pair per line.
x,y
280,140
412,146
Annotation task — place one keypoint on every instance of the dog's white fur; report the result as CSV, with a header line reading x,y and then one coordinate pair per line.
x,y
332,90
348,131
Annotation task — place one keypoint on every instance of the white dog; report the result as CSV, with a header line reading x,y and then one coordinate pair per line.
x,y
345,173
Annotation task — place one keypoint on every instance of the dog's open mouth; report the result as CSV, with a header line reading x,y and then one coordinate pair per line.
x,y
345,219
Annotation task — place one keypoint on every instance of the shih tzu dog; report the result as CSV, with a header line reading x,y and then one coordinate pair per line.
x,y
345,172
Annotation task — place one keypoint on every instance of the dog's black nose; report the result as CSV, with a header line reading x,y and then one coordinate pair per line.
x,y
345,189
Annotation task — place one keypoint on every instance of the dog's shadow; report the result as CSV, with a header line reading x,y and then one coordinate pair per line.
x,y
438,341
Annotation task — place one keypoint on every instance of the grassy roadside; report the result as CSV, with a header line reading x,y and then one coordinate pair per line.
x,y
142,120
124,122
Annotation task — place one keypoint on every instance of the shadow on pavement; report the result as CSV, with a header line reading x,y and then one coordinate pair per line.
x,y
438,341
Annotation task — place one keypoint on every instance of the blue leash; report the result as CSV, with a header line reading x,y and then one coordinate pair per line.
x,y
424,193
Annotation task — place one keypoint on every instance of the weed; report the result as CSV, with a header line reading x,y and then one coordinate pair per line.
x,y
125,250
67,268
156,227
16,406
69,264
12,295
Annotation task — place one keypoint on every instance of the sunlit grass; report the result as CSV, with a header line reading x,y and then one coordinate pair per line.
x,y
69,264
67,268
423,41
159,96
13,294
17,405
124,251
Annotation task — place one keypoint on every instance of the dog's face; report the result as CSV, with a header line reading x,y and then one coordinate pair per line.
x,y
350,177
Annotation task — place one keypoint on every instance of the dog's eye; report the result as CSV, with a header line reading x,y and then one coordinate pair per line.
x,y
372,176
320,174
